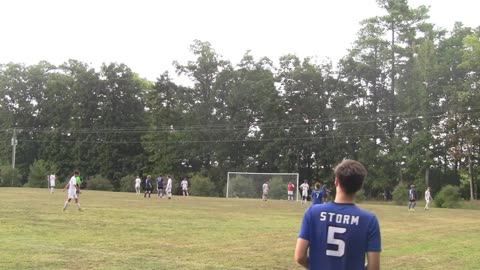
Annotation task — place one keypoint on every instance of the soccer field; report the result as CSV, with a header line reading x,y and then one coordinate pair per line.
x,y
125,231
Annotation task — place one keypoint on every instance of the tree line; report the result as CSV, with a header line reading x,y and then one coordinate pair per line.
x,y
403,101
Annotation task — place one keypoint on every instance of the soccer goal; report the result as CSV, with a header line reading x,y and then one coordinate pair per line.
x,y
249,185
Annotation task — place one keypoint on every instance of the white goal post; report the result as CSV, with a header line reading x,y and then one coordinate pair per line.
x,y
249,185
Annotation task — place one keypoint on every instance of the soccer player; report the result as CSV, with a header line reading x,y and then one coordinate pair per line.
x,y
265,190
317,194
51,182
428,198
168,188
78,182
72,191
184,185
148,186
304,187
290,188
412,198
138,181
325,192
160,186
338,235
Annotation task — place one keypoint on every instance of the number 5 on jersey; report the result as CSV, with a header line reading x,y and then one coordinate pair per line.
x,y
335,241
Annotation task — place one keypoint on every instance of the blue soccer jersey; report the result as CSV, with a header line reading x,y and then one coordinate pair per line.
x,y
317,196
339,236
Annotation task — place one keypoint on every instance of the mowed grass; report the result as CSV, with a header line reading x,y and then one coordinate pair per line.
x,y
125,231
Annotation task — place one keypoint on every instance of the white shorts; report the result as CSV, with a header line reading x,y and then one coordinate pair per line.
x,y
304,193
290,192
168,190
72,194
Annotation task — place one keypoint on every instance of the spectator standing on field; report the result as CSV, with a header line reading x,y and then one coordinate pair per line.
x,y
290,189
428,198
184,185
339,235
412,198
304,187
148,186
168,188
138,181
160,186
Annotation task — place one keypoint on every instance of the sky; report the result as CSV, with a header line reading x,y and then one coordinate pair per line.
x,y
148,35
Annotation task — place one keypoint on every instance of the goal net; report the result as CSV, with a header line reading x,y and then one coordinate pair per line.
x,y
249,185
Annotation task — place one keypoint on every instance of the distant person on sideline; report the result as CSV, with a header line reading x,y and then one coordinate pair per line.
x,y
51,182
412,198
265,190
290,189
317,195
138,181
72,191
160,186
168,188
428,198
148,186
339,235
184,185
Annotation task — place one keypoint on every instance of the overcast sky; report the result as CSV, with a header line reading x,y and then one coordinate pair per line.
x,y
148,35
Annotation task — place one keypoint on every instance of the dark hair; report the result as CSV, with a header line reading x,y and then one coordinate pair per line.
x,y
76,172
350,175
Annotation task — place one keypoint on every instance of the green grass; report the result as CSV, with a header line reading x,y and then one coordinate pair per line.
x,y
125,231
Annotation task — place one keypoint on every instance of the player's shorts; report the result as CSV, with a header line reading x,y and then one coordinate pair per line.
x,y
412,200
72,194
290,192
184,189
168,190
304,193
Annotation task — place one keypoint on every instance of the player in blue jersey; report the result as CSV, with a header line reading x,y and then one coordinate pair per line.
x,y
317,194
325,192
338,235
412,198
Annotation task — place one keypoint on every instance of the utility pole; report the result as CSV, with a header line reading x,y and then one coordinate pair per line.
x,y
14,149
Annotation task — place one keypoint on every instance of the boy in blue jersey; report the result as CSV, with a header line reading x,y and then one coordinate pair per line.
x,y
412,198
325,192
337,235
317,194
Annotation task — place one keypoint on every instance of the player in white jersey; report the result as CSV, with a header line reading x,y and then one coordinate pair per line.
x,y
137,185
51,182
428,198
304,187
184,185
265,190
168,188
72,191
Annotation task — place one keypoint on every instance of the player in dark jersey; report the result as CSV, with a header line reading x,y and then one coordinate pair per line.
x,y
317,194
412,198
338,235
148,186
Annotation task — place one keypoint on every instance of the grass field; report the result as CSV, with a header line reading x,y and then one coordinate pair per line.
x,y
125,231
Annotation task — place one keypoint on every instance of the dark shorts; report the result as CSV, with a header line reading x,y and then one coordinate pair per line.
x,y
412,200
